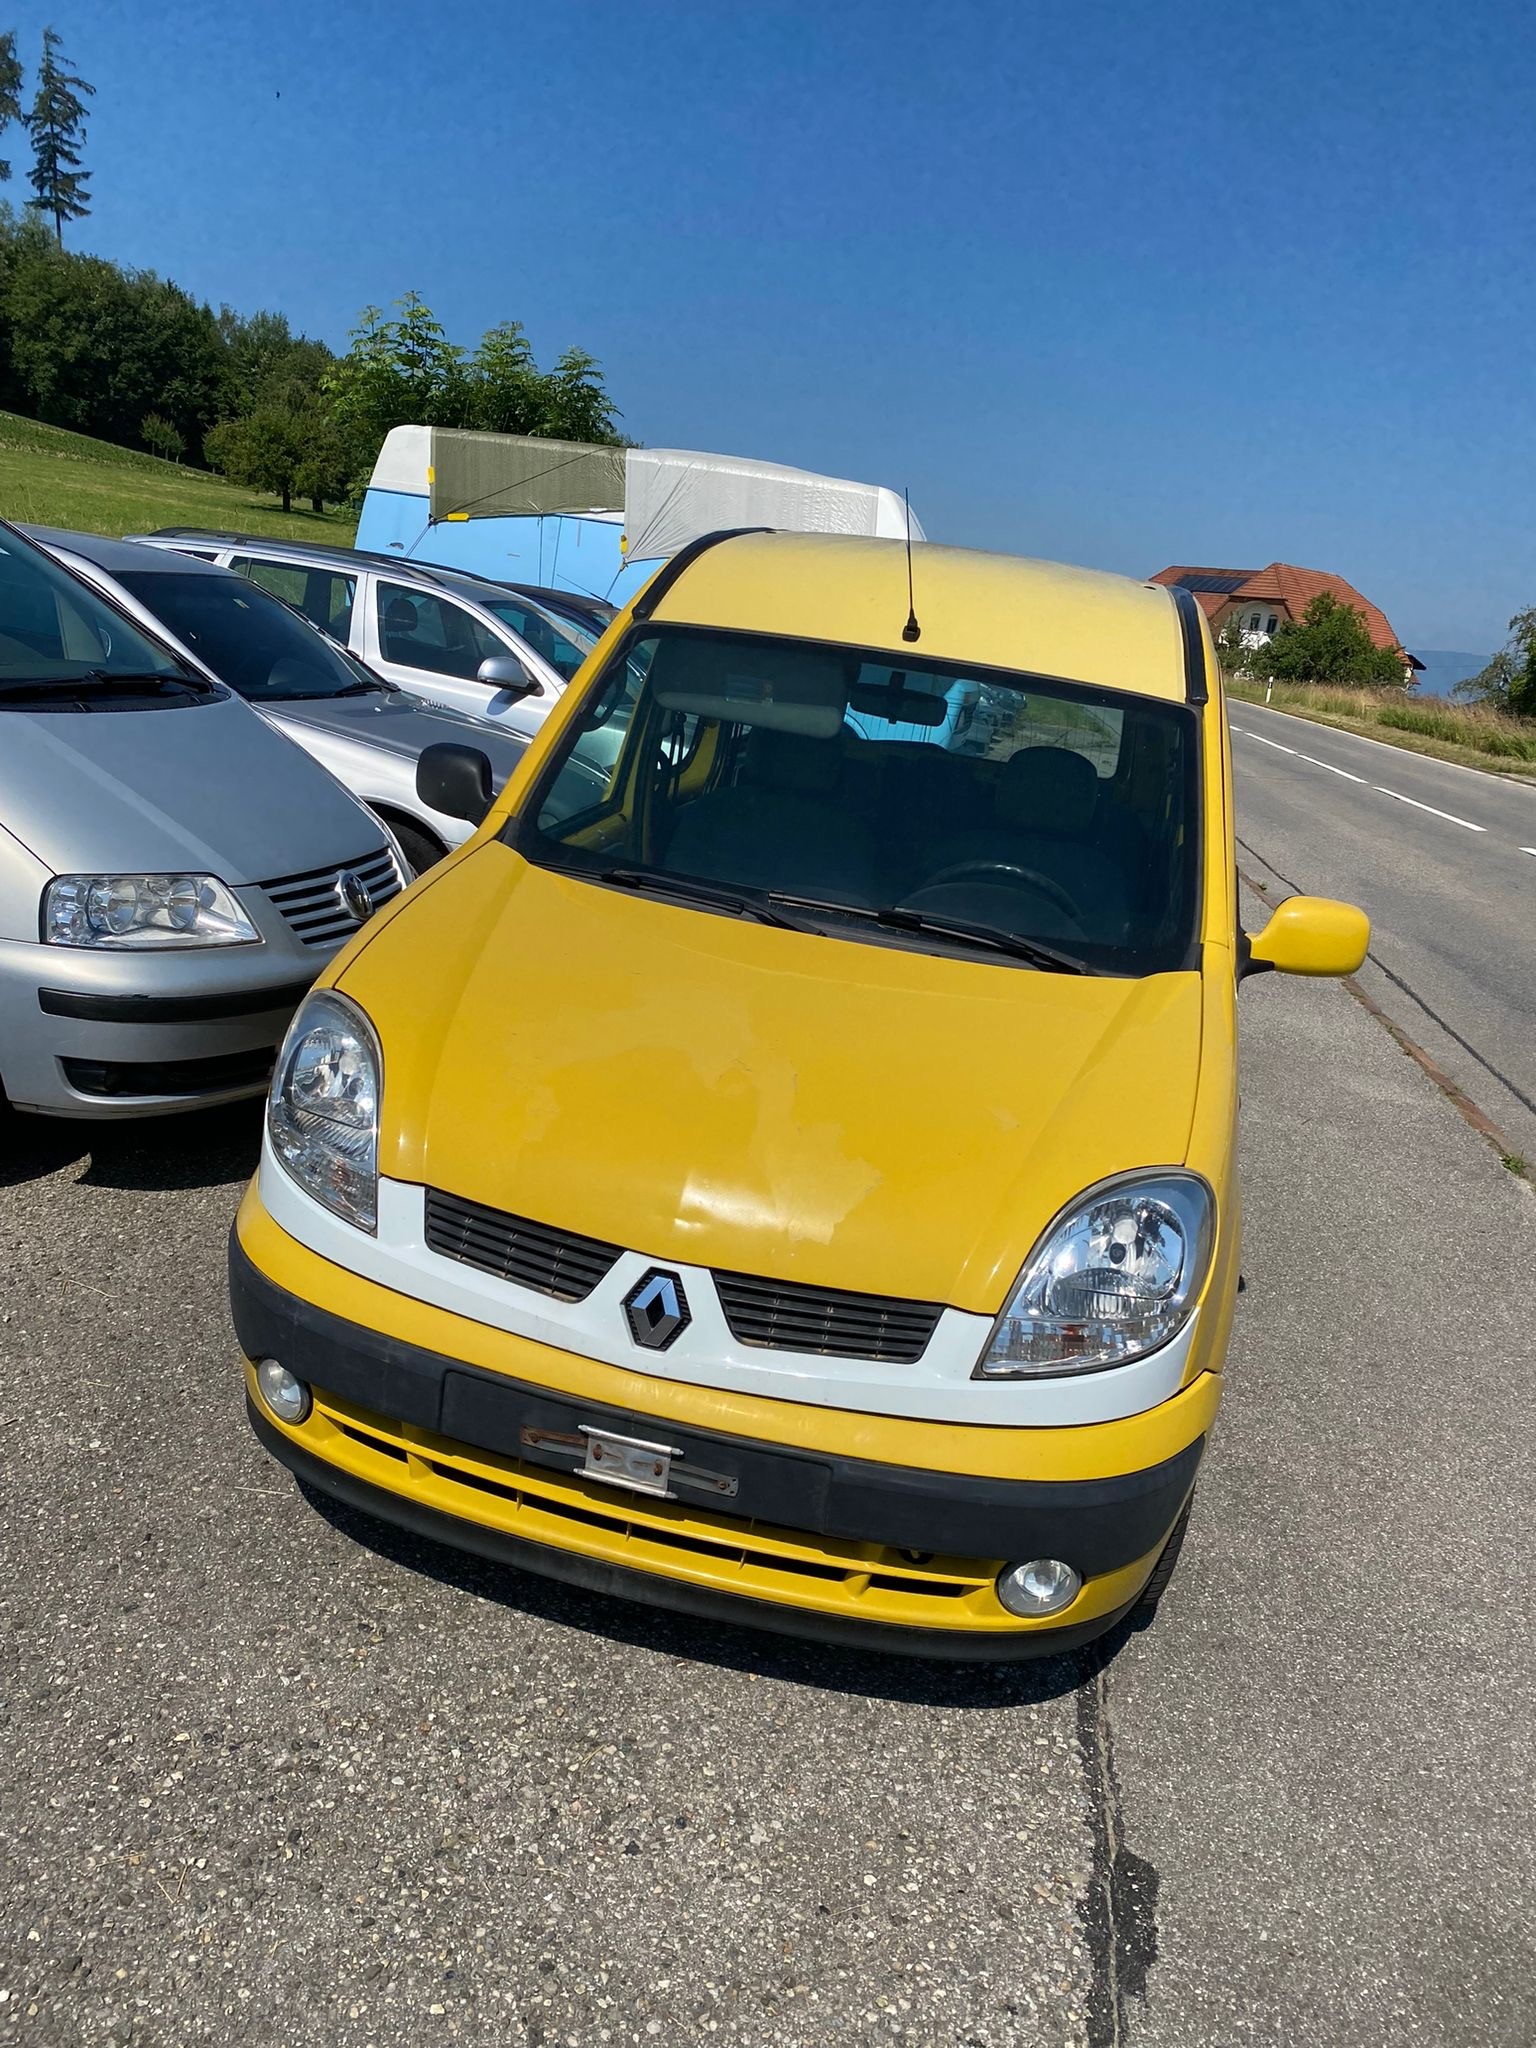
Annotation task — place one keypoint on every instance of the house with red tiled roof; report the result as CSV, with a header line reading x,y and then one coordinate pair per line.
x,y
1254,602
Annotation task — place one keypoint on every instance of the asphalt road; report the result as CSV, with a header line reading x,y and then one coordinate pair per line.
x,y
1443,858
269,1774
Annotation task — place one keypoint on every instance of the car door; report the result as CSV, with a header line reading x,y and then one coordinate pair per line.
x,y
435,647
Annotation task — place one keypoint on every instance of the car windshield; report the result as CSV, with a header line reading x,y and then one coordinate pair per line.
x,y
250,639
562,643
53,629
906,802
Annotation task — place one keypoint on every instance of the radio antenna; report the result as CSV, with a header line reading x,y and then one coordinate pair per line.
x,y
911,630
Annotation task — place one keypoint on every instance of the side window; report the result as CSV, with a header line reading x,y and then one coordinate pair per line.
x,y
282,580
324,597
418,629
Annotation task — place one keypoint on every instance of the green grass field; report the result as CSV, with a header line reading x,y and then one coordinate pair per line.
x,y
51,477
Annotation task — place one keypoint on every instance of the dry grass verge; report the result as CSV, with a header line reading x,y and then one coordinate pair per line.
x,y
1475,735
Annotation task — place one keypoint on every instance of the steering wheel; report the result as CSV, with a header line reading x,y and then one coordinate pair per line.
x,y
1047,888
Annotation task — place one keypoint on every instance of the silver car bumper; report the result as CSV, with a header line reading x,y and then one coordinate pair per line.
x,y
118,1034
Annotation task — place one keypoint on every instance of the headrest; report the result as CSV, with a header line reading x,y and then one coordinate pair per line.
x,y
1047,789
400,615
781,686
789,761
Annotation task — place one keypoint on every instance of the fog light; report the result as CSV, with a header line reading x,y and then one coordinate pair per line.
x,y
287,1397
1043,1586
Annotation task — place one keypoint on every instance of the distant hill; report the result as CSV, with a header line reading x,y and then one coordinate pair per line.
x,y
1444,670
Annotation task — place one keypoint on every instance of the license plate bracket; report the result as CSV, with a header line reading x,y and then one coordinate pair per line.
x,y
629,1462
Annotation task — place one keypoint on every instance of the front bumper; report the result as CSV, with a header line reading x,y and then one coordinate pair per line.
x,y
820,1539
127,1034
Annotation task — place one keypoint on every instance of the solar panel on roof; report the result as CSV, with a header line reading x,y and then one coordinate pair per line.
x,y
1223,584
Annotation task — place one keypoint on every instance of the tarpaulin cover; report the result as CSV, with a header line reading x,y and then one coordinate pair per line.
x,y
672,495
503,476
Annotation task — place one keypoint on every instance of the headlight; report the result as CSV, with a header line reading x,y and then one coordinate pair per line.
x,y
144,910
323,1112
1115,1276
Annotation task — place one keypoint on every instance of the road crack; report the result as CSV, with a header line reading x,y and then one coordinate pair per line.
x,y
1119,1912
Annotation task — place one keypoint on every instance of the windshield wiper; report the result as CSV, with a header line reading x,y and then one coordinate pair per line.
x,y
989,935
94,680
687,890
992,935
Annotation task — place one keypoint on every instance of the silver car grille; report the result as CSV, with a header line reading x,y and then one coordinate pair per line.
x,y
316,904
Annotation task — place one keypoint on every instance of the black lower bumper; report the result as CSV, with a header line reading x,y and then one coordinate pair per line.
x,y
676,1595
1097,1525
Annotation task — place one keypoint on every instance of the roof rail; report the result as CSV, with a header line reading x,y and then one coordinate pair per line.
x,y
441,573
327,550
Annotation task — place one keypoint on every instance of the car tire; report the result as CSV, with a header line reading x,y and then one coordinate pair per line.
x,y
419,848
1153,1591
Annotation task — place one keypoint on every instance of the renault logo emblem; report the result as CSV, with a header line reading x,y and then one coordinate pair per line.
x,y
656,1309
353,891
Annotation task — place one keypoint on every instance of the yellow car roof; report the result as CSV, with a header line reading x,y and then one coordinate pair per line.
x,y
974,609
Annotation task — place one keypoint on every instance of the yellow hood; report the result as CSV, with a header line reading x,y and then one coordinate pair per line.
x,y
701,1088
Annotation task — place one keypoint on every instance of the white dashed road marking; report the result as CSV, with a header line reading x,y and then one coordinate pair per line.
x,y
1263,742
1530,850
1449,816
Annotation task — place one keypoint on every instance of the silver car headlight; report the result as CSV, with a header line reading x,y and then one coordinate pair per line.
x,y
323,1111
1116,1275
144,911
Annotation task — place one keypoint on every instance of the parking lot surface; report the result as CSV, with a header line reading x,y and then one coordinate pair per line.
x,y
269,1772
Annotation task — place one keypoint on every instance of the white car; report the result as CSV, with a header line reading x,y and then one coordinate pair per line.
x,y
447,637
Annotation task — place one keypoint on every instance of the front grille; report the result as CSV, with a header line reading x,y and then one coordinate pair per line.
x,y
783,1315
556,1262
313,903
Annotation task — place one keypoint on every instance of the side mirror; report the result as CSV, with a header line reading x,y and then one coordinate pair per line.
x,y
1309,935
455,780
505,672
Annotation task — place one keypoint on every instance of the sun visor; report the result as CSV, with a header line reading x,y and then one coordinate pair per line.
x,y
782,688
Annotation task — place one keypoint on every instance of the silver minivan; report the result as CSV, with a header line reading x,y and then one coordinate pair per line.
x,y
173,872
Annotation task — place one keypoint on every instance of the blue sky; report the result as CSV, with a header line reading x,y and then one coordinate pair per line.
x,y
1118,283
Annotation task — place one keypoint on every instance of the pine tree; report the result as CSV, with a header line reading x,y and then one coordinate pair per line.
x,y
57,127
10,92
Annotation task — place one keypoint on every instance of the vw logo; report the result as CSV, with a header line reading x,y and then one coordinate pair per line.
x,y
656,1309
353,891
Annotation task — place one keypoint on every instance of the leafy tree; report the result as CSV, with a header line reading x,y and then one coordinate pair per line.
x,y
396,373
1329,643
577,407
10,93
262,451
289,444
1509,680
329,464
262,352
161,437
504,388
405,371
95,347
430,366
57,127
